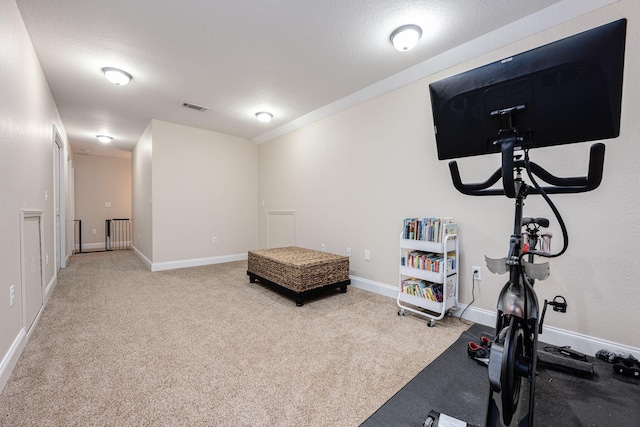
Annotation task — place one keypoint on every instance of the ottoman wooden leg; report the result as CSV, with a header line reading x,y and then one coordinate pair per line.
x,y
299,302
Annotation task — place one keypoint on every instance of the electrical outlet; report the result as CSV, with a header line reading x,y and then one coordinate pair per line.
x,y
323,247
215,239
477,272
348,251
367,255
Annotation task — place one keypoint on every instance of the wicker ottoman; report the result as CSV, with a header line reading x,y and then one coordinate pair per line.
x,y
298,270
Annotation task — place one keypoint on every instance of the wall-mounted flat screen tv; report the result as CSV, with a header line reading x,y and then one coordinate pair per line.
x,y
564,92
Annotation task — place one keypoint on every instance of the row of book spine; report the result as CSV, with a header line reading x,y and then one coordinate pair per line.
x,y
429,229
423,289
428,261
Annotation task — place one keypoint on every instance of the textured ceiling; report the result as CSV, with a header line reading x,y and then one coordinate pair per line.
x,y
236,57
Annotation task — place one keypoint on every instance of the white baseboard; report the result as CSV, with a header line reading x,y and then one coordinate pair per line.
x,y
375,287
13,354
551,335
11,357
142,257
185,263
555,336
49,288
583,343
101,245
197,262
91,246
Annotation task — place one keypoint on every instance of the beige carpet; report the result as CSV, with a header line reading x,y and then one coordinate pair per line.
x,y
118,345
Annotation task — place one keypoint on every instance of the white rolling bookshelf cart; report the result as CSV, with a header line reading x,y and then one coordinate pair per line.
x,y
447,276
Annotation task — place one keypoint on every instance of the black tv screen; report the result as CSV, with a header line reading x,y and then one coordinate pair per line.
x,y
563,92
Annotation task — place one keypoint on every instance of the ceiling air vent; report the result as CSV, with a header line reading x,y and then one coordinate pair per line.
x,y
194,106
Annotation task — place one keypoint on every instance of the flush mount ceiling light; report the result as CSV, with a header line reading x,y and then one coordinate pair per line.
x,y
116,76
104,138
264,117
406,37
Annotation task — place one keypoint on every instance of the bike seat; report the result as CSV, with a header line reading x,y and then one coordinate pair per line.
x,y
542,222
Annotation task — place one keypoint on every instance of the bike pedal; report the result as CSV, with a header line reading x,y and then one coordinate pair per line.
x,y
559,306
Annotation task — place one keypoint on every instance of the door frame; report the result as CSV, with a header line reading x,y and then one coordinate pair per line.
x,y
59,211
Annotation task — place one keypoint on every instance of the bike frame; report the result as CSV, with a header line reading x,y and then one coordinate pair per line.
x,y
517,308
513,354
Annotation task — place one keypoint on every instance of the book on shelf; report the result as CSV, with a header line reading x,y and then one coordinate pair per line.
x,y
429,229
423,289
428,261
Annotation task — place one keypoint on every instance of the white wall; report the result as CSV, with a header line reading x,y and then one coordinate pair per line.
x,y
98,180
27,118
353,177
141,196
203,184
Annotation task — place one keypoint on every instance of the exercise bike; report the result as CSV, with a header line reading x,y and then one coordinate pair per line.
x,y
513,353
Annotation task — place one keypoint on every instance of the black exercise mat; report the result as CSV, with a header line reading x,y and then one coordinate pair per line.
x,y
458,386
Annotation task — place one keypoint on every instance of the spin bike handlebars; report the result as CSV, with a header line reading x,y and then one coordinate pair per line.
x,y
557,184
